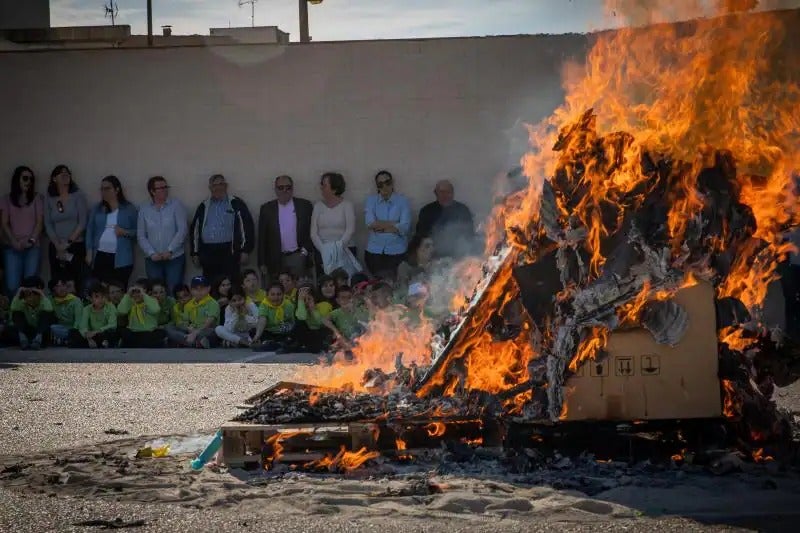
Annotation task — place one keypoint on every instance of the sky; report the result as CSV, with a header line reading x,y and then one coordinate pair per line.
x,y
334,20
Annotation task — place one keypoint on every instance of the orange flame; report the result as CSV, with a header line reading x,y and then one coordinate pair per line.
x,y
344,461
734,338
590,347
732,402
435,429
760,457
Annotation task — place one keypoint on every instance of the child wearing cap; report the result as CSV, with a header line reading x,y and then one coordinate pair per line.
x,y
276,320
67,308
200,316
142,310
98,326
241,319
31,315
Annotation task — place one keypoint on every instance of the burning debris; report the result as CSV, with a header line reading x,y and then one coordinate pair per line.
x,y
628,204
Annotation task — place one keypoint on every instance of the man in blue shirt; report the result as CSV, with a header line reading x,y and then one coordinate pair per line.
x,y
222,232
388,218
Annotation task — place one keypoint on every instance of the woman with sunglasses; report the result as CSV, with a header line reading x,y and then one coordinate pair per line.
x,y
388,218
65,215
23,213
111,233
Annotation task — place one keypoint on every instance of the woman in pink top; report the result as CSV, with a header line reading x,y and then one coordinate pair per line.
x,y
23,212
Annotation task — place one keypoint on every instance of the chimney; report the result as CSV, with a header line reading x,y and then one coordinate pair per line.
x,y
166,30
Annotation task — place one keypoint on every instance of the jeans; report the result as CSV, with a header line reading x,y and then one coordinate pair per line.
x,y
171,271
59,334
20,264
104,270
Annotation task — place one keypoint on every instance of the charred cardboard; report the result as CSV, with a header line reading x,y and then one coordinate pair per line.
x,y
640,379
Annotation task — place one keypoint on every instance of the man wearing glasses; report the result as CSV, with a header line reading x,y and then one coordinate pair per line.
x,y
161,231
222,232
388,218
284,232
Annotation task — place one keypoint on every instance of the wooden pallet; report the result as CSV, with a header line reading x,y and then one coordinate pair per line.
x,y
247,445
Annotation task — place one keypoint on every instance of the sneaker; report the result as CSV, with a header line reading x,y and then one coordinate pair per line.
x,y
36,343
204,344
24,343
105,344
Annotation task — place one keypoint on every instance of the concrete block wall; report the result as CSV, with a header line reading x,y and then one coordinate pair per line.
x,y
424,109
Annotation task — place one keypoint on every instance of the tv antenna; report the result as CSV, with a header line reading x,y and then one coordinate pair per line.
x,y
252,10
112,10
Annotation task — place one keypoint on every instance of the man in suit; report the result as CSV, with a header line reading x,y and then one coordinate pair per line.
x,y
284,232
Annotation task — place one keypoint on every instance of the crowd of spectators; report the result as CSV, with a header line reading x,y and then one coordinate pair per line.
x,y
309,291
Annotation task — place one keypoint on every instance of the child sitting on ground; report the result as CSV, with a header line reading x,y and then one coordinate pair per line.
x,y
200,315
344,321
289,283
182,295
67,308
252,287
98,326
241,319
327,290
142,311
309,332
31,315
275,322
166,302
116,290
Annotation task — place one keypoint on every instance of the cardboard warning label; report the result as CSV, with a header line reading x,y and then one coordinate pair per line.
x,y
624,366
650,364
598,369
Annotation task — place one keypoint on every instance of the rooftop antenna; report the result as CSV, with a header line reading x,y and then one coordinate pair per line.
x,y
252,10
112,10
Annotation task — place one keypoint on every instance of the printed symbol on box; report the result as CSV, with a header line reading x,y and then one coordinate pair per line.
x,y
581,371
598,369
651,365
624,366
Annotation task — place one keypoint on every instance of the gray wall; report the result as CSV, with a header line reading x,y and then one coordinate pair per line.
x,y
425,109
24,14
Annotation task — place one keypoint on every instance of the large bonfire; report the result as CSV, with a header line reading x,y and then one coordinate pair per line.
x,y
670,161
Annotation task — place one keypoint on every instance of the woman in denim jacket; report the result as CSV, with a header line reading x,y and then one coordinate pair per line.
x,y
110,234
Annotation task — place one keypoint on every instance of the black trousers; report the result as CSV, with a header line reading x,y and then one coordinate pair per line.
x,y
75,269
383,265
314,340
218,260
104,270
142,339
76,340
19,324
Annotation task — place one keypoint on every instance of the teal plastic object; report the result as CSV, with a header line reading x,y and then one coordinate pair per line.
x,y
206,455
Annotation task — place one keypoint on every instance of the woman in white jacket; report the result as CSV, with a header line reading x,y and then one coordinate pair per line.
x,y
241,319
333,223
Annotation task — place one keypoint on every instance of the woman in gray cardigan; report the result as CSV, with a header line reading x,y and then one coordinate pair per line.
x,y
65,215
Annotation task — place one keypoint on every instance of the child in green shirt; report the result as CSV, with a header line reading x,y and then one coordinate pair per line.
x,y
200,316
31,315
158,290
344,321
182,295
68,309
142,311
275,321
98,325
310,333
